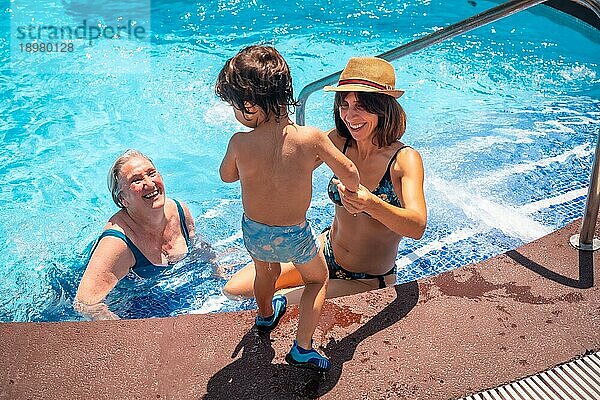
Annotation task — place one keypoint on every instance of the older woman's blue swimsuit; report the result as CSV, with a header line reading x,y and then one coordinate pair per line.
x,y
144,267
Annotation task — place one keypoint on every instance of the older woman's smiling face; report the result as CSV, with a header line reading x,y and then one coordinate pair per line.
x,y
141,184
359,121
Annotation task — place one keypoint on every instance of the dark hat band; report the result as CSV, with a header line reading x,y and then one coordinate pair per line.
x,y
365,82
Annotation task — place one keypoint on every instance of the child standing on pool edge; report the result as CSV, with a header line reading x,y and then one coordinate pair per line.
x,y
274,163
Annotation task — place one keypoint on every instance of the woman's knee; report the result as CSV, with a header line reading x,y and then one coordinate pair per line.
x,y
241,284
233,290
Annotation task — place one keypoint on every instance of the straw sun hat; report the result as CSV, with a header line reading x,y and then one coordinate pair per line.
x,y
367,74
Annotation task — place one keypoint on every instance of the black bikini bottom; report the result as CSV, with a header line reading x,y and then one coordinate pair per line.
x,y
336,271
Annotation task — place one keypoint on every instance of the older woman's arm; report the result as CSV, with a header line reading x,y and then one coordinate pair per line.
x,y
407,178
109,263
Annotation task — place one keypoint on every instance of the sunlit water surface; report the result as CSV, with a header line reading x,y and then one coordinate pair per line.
x,y
505,118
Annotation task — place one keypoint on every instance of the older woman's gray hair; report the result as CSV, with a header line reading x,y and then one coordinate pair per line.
x,y
115,171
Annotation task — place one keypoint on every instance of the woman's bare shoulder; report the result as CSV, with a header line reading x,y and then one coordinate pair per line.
x,y
408,159
117,222
408,153
173,211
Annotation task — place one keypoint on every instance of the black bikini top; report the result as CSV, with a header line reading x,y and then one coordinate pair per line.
x,y
385,189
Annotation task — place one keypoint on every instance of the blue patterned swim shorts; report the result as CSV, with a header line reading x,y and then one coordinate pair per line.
x,y
296,243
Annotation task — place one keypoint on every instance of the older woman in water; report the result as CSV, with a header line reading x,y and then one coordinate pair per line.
x,y
148,234
362,243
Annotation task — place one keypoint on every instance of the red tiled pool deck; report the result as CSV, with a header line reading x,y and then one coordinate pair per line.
x,y
440,338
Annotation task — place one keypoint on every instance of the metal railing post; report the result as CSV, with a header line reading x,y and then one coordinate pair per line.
x,y
585,239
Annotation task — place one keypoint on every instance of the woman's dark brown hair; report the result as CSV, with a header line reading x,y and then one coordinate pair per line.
x,y
260,76
391,123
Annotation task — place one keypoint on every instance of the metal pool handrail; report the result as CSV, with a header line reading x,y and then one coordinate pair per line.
x,y
583,241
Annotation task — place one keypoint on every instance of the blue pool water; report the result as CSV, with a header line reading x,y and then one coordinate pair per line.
x,y
505,118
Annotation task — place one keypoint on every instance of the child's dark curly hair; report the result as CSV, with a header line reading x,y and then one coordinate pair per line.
x,y
260,76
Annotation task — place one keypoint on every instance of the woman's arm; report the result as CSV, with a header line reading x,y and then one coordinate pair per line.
x,y
109,263
408,176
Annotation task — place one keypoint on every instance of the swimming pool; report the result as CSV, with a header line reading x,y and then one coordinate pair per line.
x,y
505,118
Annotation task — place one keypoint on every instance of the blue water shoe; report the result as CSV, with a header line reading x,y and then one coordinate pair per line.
x,y
302,358
269,323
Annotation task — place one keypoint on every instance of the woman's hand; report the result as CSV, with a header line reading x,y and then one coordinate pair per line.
x,y
95,312
354,202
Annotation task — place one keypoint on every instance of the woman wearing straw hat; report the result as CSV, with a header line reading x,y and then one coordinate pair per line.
x,y
362,243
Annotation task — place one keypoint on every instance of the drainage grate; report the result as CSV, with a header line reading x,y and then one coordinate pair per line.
x,y
576,380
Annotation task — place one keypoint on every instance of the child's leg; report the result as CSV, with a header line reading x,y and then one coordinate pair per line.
x,y
315,276
264,286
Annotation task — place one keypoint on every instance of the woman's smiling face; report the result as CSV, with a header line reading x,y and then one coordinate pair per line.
x,y
141,184
359,121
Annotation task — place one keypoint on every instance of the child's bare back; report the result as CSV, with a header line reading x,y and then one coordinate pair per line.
x,y
275,162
